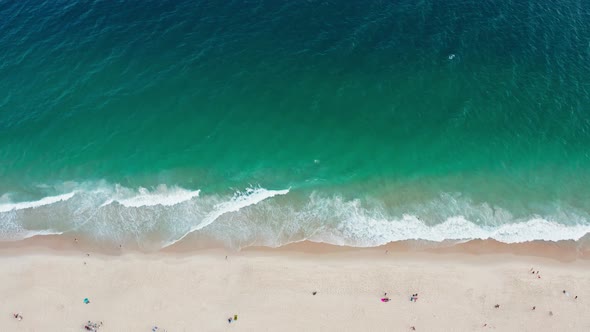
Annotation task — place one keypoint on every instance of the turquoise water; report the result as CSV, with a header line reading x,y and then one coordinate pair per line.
x,y
265,122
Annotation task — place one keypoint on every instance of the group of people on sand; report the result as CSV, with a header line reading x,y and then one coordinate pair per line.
x,y
232,319
91,326
534,308
413,298
568,294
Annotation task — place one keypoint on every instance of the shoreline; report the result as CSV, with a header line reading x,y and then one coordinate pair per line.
x,y
564,251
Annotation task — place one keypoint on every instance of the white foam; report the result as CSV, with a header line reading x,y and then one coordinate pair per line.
x,y
320,218
368,232
160,196
30,234
342,222
539,229
34,204
239,201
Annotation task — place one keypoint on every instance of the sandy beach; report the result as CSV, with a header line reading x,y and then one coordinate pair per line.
x,y
272,290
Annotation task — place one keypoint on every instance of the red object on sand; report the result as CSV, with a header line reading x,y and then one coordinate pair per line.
x,y
385,299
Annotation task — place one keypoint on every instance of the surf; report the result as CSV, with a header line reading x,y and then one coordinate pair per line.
x,y
161,216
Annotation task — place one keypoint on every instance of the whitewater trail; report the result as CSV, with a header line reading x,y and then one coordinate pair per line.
x,y
34,204
144,197
168,214
239,201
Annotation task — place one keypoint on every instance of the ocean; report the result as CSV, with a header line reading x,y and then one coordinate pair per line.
x,y
270,122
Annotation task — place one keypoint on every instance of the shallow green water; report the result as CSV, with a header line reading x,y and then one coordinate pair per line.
x,y
459,110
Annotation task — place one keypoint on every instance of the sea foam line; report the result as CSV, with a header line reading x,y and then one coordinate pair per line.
x,y
30,234
239,201
7,207
162,196
369,232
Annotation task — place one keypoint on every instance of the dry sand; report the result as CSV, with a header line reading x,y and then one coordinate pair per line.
x,y
271,290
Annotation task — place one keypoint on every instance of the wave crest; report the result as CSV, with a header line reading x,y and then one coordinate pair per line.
x,y
161,195
6,207
163,215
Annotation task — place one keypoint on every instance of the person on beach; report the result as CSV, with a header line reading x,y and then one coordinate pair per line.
x,y
18,316
91,326
534,307
497,306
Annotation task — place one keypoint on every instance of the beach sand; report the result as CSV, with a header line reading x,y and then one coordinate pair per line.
x,y
271,290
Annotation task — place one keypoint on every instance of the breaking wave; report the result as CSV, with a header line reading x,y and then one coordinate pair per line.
x,y
163,215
